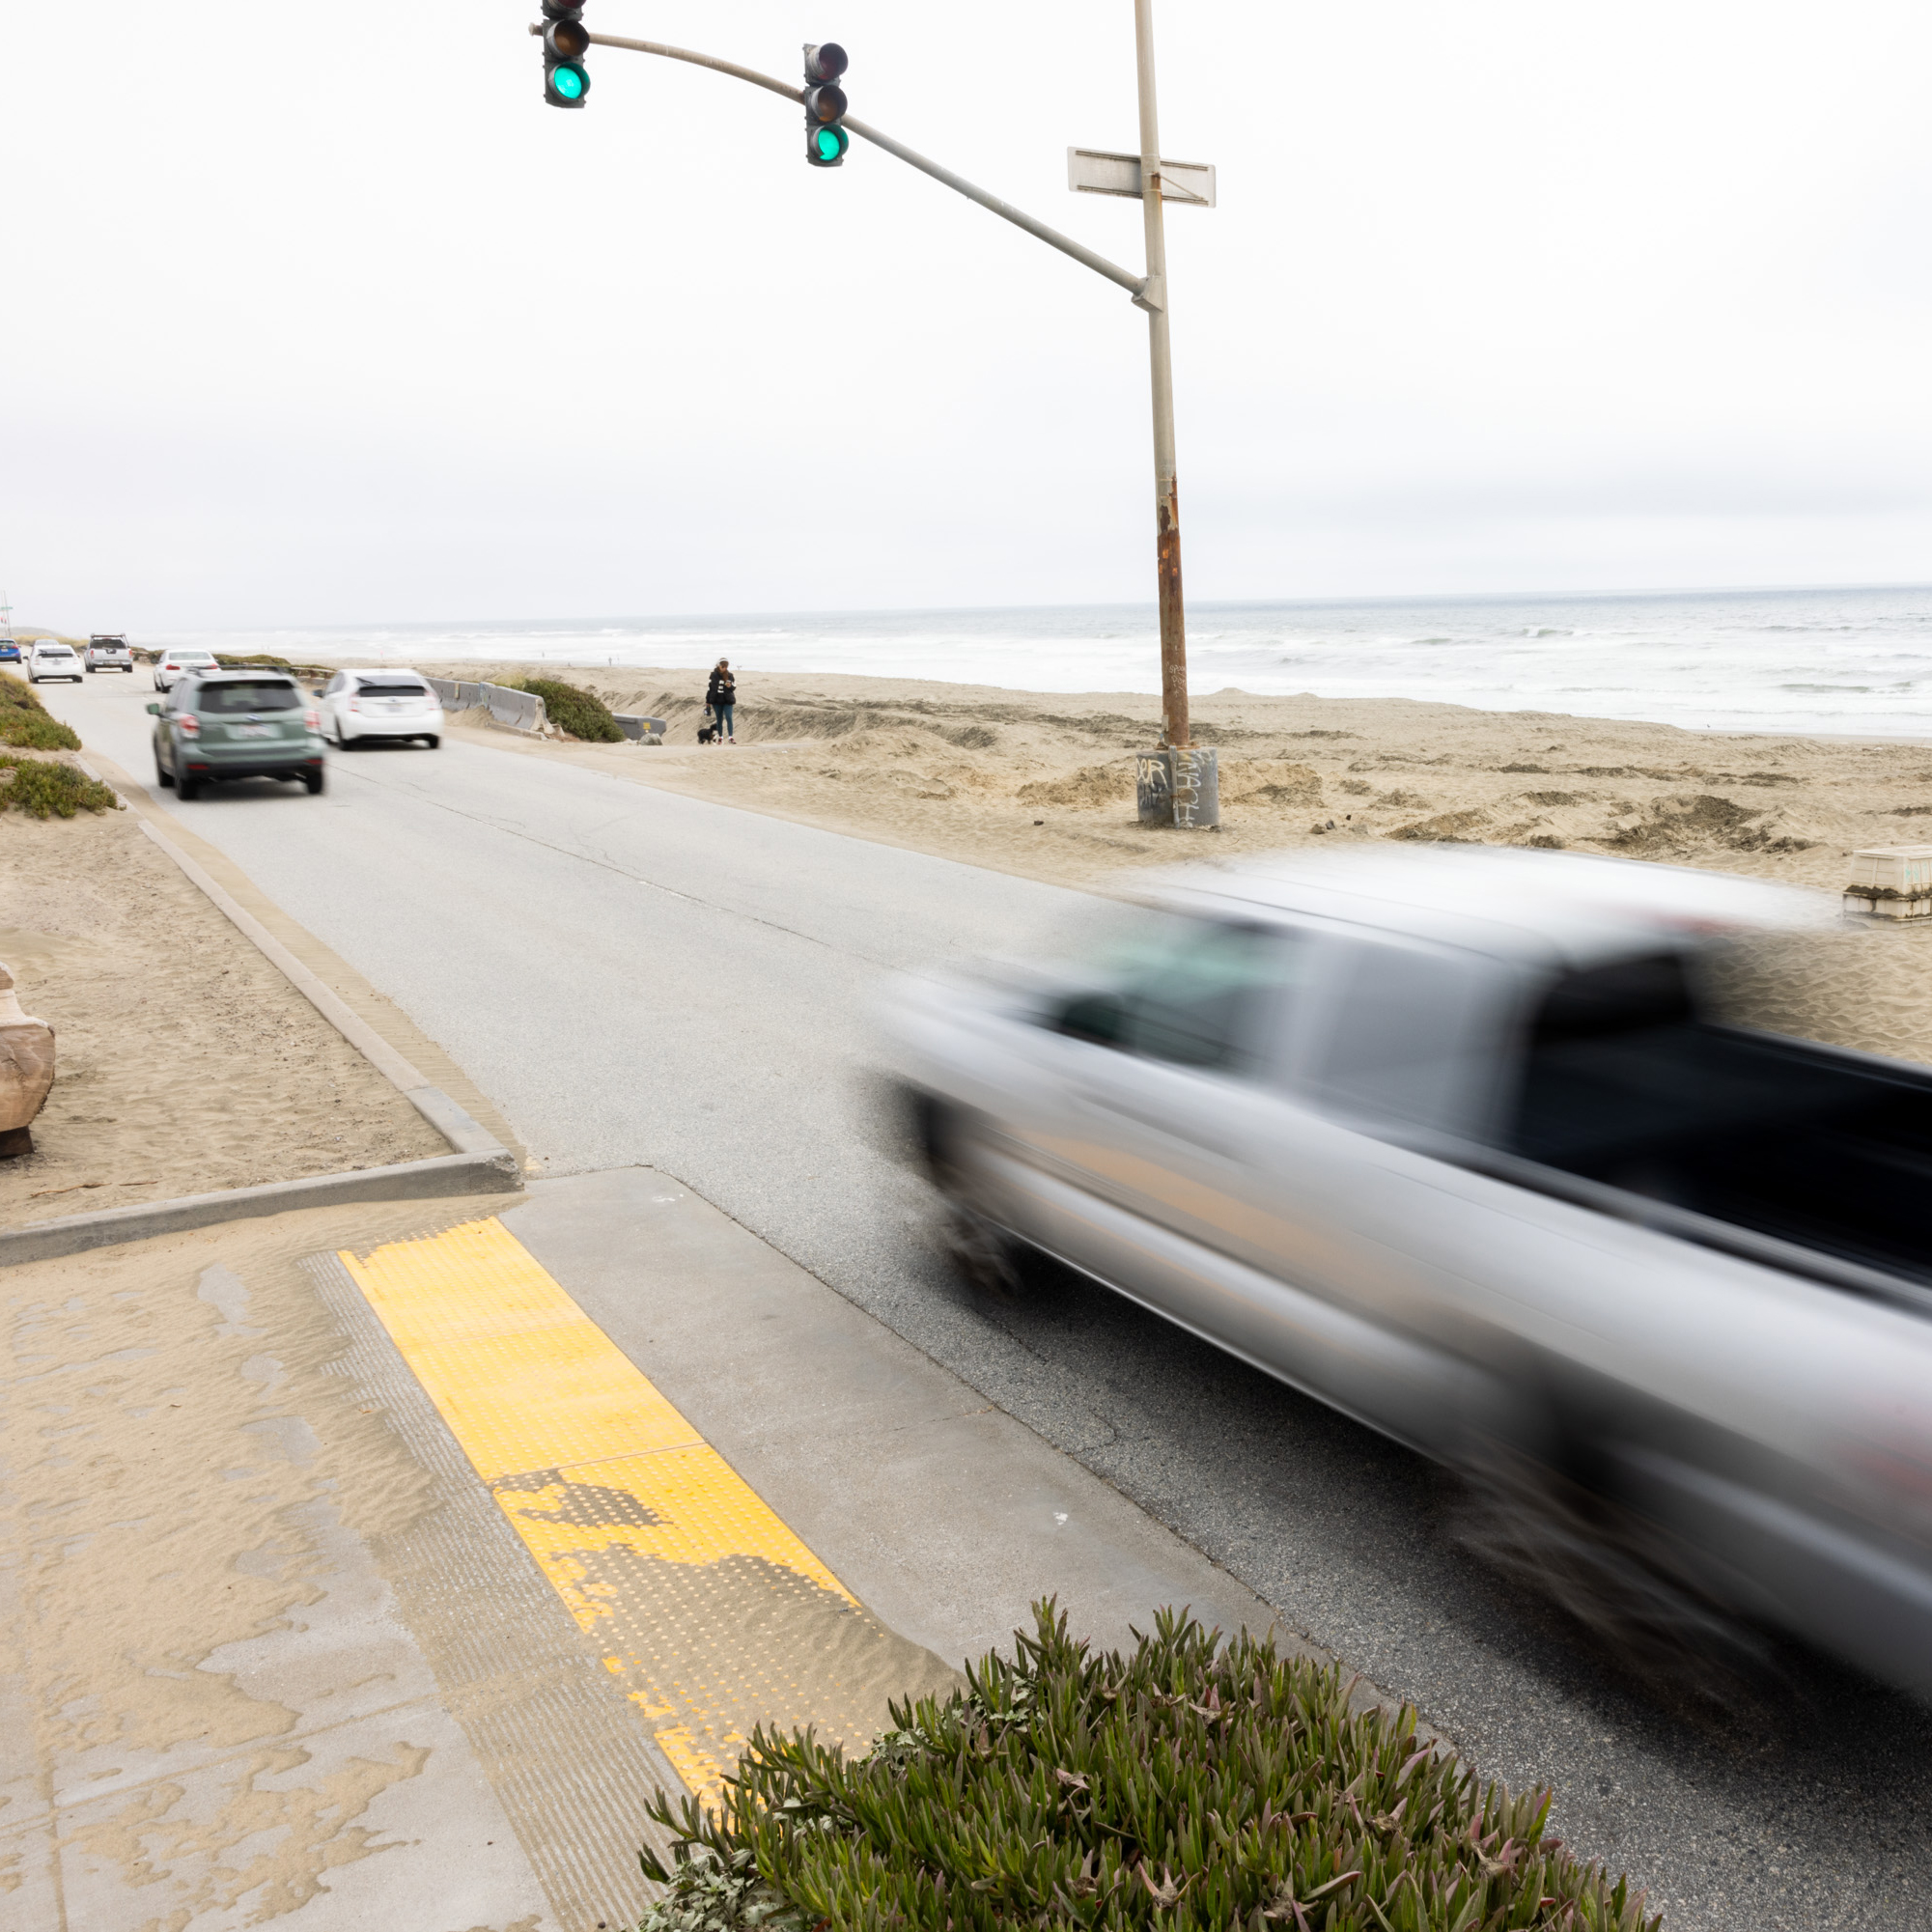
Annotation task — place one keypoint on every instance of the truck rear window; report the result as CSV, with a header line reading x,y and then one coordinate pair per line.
x,y
230,699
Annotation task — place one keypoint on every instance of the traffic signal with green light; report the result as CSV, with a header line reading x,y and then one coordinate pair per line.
x,y
566,42
825,138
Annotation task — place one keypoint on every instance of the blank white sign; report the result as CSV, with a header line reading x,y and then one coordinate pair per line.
x,y
1091,171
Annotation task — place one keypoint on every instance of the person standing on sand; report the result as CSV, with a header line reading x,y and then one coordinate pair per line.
x,y
720,695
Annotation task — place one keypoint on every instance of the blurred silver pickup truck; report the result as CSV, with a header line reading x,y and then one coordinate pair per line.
x,y
1449,1139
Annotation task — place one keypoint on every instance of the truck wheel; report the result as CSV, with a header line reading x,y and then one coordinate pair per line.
x,y
981,1252
1602,1566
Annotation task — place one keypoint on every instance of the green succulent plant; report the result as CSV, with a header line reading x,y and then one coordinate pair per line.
x,y
1190,1784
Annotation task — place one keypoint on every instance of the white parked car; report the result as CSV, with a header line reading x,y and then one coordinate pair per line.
x,y
358,705
47,659
172,665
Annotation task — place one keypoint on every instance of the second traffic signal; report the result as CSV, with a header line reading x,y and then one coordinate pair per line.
x,y
825,138
566,42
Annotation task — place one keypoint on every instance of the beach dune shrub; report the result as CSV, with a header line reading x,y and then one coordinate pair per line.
x,y
27,723
1189,1784
579,713
44,788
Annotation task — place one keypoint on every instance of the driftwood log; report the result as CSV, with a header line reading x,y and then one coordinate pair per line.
x,y
26,1069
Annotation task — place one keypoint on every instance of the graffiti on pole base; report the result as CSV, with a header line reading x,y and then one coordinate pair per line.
x,y
1178,787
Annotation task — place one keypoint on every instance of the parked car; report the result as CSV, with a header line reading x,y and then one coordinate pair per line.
x,y
172,665
1452,1141
217,725
106,652
9,651
361,704
47,659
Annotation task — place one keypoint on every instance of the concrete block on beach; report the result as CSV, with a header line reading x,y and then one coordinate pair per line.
x,y
26,1069
1891,882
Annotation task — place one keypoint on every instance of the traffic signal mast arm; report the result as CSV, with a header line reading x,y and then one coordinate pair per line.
x,y
1136,286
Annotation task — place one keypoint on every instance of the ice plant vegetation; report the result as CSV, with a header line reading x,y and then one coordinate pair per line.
x,y
1187,1783
571,709
25,721
45,789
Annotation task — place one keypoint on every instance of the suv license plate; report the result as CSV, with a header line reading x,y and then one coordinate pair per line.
x,y
254,731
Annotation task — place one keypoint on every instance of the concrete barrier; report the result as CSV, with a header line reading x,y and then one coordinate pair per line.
x,y
640,729
519,710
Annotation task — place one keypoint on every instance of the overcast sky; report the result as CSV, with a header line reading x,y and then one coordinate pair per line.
x,y
324,326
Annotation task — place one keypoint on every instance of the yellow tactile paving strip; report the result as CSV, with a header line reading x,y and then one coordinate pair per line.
x,y
715,1616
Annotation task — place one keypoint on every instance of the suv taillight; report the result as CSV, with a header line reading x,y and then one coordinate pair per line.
x,y
311,720
187,725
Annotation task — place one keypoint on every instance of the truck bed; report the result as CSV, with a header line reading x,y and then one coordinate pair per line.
x,y
1825,1149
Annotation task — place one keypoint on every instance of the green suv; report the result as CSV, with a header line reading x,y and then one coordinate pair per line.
x,y
235,724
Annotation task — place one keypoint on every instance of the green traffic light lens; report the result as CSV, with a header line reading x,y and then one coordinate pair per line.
x,y
569,81
830,143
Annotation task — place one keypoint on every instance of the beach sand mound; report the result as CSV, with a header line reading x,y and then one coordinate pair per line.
x,y
1088,789
1269,782
1445,825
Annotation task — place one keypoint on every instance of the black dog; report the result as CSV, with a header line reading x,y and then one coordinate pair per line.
x,y
708,734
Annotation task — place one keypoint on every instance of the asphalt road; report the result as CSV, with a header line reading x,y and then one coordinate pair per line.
x,y
634,976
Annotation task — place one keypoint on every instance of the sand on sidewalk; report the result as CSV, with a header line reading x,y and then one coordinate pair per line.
x,y
186,1063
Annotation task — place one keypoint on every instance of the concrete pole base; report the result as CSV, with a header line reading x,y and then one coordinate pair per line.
x,y
1179,788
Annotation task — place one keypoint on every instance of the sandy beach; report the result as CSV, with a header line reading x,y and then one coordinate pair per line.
x,y
1044,783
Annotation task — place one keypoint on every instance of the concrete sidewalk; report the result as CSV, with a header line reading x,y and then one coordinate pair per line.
x,y
282,1657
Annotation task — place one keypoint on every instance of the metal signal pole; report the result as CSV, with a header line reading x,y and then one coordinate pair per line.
x,y
1154,300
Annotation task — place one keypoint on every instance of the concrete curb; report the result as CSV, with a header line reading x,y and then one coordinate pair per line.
x,y
478,1164
444,1175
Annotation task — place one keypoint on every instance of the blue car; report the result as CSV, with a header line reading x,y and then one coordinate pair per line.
x,y
9,652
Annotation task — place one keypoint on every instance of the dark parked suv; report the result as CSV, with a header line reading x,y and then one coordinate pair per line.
x,y
235,724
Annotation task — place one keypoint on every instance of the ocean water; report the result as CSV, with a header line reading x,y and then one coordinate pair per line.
x,y
1855,661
